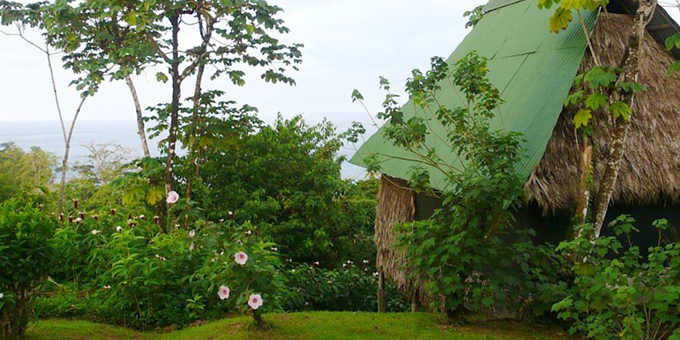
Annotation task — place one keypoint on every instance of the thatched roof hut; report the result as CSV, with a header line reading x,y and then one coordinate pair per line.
x,y
534,71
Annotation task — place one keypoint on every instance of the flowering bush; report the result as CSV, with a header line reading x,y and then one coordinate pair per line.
x,y
126,271
250,276
25,258
622,294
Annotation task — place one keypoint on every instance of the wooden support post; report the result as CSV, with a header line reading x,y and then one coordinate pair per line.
x,y
414,300
382,305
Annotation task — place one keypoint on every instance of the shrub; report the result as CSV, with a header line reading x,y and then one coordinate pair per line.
x,y
286,180
500,273
25,259
351,287
618,293
468,252
130,273
249,272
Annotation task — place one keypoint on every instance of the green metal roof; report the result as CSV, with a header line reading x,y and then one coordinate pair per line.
x,y
532,67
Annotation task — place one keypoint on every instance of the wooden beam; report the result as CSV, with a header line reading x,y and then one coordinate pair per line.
x,y
658,27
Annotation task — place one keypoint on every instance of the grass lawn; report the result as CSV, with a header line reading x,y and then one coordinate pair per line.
x,y
317,325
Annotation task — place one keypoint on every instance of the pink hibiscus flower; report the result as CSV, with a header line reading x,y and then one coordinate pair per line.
x,y
173,196
223,293
255,301
241,258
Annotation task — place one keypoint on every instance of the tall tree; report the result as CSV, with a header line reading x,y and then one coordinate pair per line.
x,y
51,19
97,47
228,34
610,89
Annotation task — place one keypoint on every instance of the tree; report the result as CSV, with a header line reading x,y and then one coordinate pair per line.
x,y
230,34
52,19
286,180
101,45
22,171
610,89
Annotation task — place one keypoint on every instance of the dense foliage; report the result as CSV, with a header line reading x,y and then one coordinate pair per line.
x,y
618,293
350,287
468,251
24,172
297,221
126,271
285,179
25,261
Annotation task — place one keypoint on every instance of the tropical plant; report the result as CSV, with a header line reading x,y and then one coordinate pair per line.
x,y
24,172
286,180
605,89
618,293
25,260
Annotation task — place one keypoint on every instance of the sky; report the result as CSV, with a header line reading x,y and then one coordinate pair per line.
x,y
348,45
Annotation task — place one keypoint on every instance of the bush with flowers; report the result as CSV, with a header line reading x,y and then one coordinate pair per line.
x,y
249,274
125,270
25,259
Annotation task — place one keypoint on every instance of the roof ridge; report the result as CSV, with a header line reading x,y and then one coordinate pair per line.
x,y
498,4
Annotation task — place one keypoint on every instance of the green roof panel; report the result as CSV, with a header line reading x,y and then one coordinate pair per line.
x,y
532,67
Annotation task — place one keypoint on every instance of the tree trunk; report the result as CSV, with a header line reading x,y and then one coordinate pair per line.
x,y
140,116
583,190
631,69
67,150
174,109
64,163
195,138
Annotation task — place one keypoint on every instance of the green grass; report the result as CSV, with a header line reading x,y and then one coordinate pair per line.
x,y
317,325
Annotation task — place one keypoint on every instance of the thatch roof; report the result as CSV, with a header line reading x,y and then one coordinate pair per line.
x,y
650,171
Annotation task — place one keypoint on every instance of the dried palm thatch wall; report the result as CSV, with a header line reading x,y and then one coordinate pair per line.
x,y
396,204
650,170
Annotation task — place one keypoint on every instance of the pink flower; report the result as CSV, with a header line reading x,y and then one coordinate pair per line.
x,y
173,196
192,234
255,301
191,247
223,293
241,258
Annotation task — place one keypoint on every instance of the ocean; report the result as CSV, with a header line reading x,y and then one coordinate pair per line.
x,y
47,135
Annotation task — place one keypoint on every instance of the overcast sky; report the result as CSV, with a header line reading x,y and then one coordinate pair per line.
x,y
348,45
